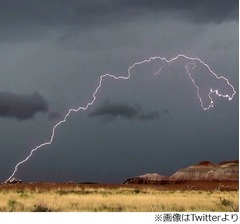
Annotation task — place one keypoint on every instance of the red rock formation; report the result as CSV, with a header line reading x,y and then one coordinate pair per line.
x,y
203,171
224,171
206,163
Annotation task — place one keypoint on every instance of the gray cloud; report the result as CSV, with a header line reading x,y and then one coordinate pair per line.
x,y
194,11
77,12
17,18
21,107
123,110
54,115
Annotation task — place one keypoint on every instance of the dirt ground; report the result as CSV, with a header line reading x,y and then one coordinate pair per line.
x,y
189,185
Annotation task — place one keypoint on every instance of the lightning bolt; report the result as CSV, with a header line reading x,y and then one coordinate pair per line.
x,y
102,77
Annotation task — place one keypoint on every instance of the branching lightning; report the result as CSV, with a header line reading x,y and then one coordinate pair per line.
x,y
102,77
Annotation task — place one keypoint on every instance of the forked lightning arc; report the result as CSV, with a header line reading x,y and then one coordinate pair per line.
x,y
102,77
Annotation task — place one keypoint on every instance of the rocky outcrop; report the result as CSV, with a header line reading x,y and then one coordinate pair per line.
x,y
70,182
225,171
203,171
149,178
13,181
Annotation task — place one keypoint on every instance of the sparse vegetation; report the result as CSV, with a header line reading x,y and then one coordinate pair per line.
x,y
117,200
40,208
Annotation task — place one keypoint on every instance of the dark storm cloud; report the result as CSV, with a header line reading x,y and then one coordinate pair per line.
x,y
54,116
194,11
125,111
21,106
78,12
18,17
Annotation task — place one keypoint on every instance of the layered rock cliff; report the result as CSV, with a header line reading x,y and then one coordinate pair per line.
x,y
224,171
203,171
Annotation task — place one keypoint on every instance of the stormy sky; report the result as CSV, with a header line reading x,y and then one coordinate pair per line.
x,y
52,54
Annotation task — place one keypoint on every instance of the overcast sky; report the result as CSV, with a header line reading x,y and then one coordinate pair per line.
x,y
52,54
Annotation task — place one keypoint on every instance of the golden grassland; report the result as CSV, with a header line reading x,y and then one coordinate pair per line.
x,y
117,200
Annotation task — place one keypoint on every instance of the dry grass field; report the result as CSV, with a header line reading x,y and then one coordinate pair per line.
x,y
91,198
